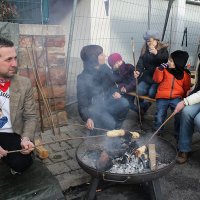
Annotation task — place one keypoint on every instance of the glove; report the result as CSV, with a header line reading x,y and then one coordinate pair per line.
x,y
163,66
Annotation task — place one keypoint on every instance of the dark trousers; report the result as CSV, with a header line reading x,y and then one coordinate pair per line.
x,y
17,161
110,114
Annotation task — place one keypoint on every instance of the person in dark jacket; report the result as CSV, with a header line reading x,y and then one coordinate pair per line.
x,y
99,103
123,74
153,54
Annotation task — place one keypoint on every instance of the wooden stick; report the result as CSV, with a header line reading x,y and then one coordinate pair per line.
x,y
136,85
152,156
142,97
153,134
55,141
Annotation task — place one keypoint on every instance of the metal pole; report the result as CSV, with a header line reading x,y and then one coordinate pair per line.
x,y
70,39
149,14
167,17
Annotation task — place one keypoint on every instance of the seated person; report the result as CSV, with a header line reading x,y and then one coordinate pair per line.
x,y
174,82
17,111
190,117
153,54
99,103
124,78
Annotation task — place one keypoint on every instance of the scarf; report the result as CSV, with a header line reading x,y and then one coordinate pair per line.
x,y
4,86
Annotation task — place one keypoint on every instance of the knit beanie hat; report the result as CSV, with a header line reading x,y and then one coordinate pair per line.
x,y
113,58
180,59
89,55
151,34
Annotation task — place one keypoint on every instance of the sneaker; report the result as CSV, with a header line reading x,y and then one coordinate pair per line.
x,y
13,172
182,157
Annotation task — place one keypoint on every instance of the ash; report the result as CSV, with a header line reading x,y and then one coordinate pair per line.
x,y
126,165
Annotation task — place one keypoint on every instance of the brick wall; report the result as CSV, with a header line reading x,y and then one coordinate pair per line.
x,y
42,48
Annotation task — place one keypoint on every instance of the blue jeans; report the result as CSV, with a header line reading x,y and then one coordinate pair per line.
x,y
162,106
190,117
147,89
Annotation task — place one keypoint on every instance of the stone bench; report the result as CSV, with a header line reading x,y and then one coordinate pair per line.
x,y
36,183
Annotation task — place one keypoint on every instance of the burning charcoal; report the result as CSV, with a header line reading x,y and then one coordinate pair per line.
x,y
132,145
144,161
104,162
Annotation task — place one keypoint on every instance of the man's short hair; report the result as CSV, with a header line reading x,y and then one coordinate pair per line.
x,y
5,42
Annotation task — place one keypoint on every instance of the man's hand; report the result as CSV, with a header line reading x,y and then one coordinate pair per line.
x,y
116,95
90,124
179,106
2,152
136,74
27,146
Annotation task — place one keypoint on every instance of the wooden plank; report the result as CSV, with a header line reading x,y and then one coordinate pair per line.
x,y
152,156
41,151
142,97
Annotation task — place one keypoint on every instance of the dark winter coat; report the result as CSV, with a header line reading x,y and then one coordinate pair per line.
x,y
148,62
93,88
125,77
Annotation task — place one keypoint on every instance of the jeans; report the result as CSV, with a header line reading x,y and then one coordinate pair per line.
x,y
147,89
190,117
110,114
162,106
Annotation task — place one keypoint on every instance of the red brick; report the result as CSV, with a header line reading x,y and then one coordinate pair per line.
x,y
55,41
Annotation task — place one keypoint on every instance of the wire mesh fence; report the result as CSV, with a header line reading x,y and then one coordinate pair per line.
x,y
112,24
25,11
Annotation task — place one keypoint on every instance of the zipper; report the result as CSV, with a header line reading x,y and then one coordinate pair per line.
x,y
172,87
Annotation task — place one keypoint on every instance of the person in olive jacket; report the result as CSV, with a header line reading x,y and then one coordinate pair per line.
x,y
153,54
99,102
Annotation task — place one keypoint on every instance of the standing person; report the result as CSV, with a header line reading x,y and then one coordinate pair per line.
x,y
153,54
99,103
17,111
174,82
123,74
190,117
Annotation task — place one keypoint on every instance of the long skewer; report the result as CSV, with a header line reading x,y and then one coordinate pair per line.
x,y
66,139
55,141
136,85
149,140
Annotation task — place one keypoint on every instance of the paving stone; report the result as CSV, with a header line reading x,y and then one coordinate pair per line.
x,y
58,168
68,180
71,153
56,147
59,156
73,164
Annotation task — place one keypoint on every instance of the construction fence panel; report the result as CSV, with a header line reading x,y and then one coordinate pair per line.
x,y
113,23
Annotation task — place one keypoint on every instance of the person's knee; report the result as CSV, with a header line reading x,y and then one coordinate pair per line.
x,y
197,121
185,113
124,103
21,164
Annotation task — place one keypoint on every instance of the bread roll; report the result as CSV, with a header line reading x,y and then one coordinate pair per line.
x,y
115,133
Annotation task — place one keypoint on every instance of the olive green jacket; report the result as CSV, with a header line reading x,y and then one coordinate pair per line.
x,y
22,107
